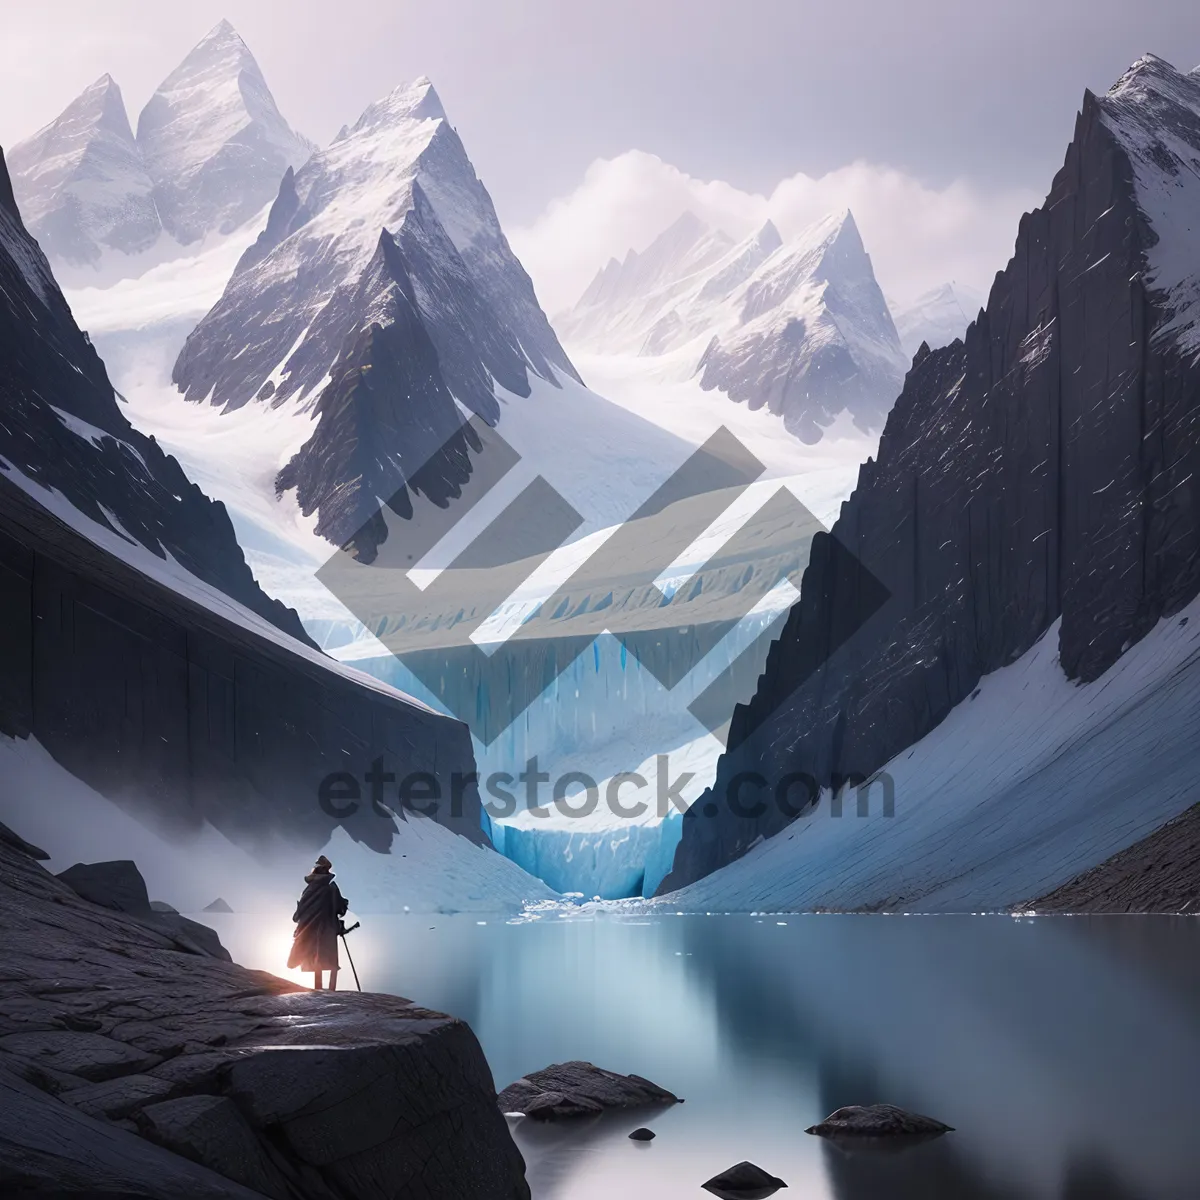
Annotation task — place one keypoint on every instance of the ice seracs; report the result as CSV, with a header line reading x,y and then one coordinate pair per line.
x,y
213,140
80,182
798,326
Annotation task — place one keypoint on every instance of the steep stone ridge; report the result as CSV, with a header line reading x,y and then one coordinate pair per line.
x,y
1043,467
181,715
128,1069
62,430
387,425
297,295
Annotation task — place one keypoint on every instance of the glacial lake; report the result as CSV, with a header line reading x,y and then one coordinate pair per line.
x,y
1064,1050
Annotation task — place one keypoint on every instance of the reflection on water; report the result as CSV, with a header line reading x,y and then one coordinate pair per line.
x,y
1065,1051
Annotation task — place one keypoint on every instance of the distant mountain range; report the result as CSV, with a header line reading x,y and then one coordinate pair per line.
x,y
210,150
800,327
936,317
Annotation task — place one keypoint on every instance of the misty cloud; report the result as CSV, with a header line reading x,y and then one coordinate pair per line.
x,y
918,236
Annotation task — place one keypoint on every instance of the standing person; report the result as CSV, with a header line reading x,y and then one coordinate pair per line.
x,y
318,919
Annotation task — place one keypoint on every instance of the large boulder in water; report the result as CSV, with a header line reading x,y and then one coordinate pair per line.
x,y
877,1120
744,1181
579,1089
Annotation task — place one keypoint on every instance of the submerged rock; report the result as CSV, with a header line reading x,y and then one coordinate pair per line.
x,y
642,1135
744,1181
877,1120
577,1089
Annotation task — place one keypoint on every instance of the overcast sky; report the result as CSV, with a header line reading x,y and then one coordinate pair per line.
x,y
958,110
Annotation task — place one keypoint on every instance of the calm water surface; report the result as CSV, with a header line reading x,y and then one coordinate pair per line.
x,y
1065,1051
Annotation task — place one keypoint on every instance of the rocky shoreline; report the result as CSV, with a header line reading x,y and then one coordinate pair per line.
x,y
132,1067
1159,874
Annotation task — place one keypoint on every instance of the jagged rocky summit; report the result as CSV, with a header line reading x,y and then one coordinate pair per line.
x,y
132,1068
800,327
210,150
214,141
381,295
1041,470
81,182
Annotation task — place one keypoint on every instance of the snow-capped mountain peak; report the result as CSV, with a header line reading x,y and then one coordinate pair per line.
x,y
213,139
326,224
416,101
80,183
1153,110
381,296
799,326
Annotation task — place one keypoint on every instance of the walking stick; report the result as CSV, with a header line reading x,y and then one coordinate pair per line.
x,y
348,957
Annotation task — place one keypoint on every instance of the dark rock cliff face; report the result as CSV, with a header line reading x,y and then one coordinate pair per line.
x,y
62,427
182,716
386,421
1043,468
131,1069
169,707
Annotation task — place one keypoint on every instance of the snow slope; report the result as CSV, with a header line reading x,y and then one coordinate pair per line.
x,y
429,869
81,185
798,327
1025,784
213,141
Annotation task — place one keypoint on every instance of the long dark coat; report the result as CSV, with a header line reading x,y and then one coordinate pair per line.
x,y
318,919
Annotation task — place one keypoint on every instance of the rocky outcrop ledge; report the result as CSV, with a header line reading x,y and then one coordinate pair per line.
x,y
132,1068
